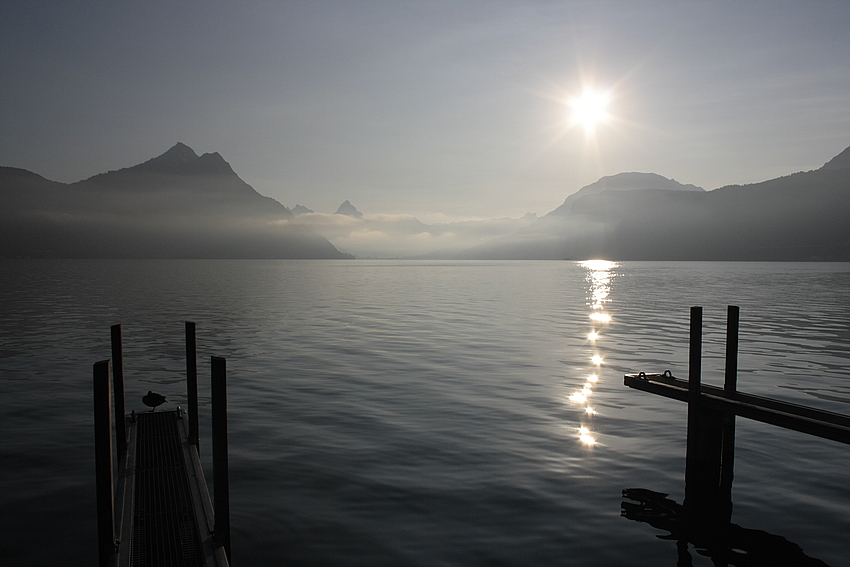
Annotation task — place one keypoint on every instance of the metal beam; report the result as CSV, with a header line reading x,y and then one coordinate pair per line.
x,y
820,423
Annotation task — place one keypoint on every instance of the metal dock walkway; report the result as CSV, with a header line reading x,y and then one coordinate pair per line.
x,y
159,512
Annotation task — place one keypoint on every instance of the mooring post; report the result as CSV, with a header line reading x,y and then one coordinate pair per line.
x,y
705,438
730,385
694,379
733,315
192,385
103,463
118,392
221,479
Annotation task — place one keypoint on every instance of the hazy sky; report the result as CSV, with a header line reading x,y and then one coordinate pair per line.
x,y
438,109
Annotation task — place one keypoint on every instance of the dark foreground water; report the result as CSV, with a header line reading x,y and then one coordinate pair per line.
x,y
426,413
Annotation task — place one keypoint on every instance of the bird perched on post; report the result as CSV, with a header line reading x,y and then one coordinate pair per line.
x,y
152,399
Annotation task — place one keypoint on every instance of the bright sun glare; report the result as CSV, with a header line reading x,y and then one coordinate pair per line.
x,y
590,109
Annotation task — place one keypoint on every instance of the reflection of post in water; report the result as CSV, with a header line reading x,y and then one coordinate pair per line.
x,y
724,542
704,518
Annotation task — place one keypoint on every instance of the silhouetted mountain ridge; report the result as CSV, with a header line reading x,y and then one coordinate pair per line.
x,y
803,216
631,181
841,161
346,208
177,204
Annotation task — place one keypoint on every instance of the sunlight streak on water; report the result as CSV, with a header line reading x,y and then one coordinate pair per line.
x,y
598,276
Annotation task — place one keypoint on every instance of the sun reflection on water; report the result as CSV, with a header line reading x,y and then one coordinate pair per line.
x,y
599,276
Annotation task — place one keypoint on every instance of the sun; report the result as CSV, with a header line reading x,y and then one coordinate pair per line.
x,y
590,109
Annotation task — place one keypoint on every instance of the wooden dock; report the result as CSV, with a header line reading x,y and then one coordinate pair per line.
x,y
154,508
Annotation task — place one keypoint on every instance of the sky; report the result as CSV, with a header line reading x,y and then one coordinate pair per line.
x,y
446,111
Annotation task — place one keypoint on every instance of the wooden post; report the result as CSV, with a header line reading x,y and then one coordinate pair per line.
x,y
694,378
733,315
705,438
118,391
730,384
192,385
103,462
221,481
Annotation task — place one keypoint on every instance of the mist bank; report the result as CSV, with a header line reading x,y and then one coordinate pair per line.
x,y
177,205
405,236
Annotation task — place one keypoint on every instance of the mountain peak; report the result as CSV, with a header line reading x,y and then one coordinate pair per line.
x,y
172,161
348,209
179,153
841,161
212,164
629,181
180,159
633,180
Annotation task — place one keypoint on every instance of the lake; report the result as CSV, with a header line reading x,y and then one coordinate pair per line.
x,y
426,412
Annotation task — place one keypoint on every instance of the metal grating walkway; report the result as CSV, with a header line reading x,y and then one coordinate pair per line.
x,y
165,529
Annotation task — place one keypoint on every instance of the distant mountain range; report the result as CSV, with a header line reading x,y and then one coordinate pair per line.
x,y
176,205
181,205
644,216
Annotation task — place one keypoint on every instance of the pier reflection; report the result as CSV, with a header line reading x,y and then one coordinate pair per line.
x,y
719,539
599,276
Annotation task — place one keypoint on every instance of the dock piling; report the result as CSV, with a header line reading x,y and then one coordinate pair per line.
x,y
694,376
118,391
104,478
221,481
712,411
192,385
705,518
733,316
730,385
703,461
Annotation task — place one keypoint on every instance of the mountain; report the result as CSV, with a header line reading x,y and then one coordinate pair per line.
x,y
841,161
301,210
624,182
348,209
176,205
804,216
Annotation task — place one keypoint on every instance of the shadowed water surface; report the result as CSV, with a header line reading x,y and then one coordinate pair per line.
x,y
426,413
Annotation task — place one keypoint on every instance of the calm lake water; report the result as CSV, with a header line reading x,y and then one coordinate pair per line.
x,y
426,413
